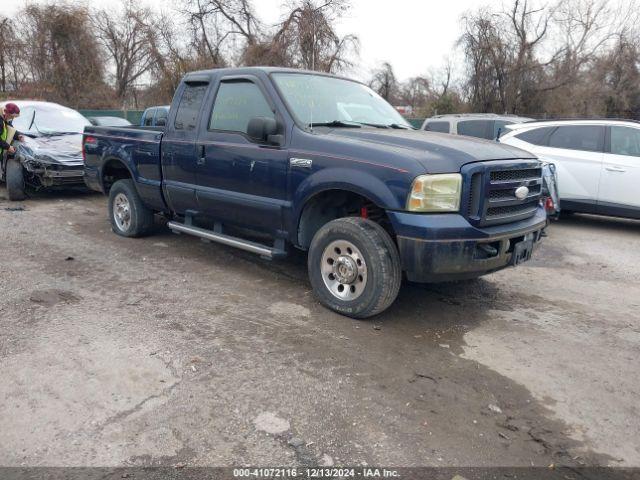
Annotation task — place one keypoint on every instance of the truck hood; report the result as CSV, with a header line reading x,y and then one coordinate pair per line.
x,y
436,152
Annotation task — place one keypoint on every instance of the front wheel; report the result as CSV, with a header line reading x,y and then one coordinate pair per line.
x,y
15,180
354,267
129,216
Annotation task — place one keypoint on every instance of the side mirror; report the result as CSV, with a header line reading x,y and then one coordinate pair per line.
x,y
161,122
264,129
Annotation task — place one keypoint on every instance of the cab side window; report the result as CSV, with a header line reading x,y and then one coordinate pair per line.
x,y
236,103
189,107
625,141
442,127
476,128
589,138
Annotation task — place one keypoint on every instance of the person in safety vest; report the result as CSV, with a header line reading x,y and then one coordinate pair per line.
x,y
8,113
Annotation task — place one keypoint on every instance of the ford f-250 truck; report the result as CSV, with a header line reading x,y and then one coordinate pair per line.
x,y
266,159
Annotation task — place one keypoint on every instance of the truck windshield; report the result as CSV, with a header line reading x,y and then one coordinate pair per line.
x,y
318,100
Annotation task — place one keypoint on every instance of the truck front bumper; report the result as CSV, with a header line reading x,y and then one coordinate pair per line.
x,y
444,247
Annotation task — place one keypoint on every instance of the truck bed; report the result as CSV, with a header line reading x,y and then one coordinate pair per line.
x,y
132,131
138,147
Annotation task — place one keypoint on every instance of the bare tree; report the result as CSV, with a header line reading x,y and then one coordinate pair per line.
x,y
505,73
64,60
309,34
545,57
171,58
587,30
486,56
306,38
537,57
127,36
415,92
5,27
219,25
385,83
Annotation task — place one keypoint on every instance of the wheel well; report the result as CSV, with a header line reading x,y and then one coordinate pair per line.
x,y
113,171
331,204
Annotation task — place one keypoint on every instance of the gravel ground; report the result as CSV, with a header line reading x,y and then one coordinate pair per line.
x,y
166,350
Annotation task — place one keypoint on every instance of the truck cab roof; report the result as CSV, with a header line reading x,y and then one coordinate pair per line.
x,y
207,75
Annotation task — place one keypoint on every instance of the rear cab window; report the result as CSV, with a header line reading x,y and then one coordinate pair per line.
x,y
442,127
587,138
189,107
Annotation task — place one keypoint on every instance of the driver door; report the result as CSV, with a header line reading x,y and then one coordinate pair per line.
x,y
240,180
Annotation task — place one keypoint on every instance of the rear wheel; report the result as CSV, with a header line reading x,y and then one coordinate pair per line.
x,y
354,267
15,180
129,216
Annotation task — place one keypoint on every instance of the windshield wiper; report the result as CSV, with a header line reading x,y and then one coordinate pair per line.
x,y
400,126
58,134
335,123
390,125
33,119
376,125
354,124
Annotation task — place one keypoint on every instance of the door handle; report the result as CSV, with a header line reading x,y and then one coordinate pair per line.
x,y
201,155
615,169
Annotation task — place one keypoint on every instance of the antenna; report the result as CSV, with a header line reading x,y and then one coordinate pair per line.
x,y
313,42
313,61
311,114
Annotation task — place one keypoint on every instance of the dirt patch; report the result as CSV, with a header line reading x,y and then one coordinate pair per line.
x,y
443,378
51,297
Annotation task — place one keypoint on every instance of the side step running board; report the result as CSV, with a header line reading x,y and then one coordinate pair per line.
x,y
253,247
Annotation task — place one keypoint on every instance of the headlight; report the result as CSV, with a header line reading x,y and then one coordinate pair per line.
x,y
435,193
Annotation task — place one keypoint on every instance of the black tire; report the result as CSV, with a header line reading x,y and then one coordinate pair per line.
x,y
140,218
383,273
15,180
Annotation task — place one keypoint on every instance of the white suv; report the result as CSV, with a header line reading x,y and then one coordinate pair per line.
x,y
597,161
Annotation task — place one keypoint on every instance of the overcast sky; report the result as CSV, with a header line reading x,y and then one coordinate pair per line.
x,y
413,35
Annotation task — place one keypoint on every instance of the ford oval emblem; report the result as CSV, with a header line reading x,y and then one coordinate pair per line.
x,y
522,192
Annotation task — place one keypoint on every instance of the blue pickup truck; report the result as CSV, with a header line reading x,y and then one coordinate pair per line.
x,y
269,159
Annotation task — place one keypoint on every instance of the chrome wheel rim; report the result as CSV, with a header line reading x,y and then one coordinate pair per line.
x,y
122,212
344,270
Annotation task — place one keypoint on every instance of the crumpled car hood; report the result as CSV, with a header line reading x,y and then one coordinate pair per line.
x,y
58,149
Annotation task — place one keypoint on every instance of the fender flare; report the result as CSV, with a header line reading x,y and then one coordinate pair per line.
x,y
111,158
353,181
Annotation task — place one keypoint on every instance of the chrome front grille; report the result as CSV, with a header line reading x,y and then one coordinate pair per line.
x,y
519,174
510,193
490,191
511,210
